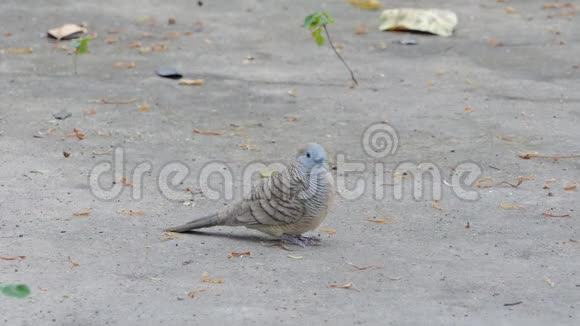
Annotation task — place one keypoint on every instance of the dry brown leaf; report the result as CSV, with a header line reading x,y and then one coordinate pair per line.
x,y
548,214
509,206
490,182
17,51
527,156
168,235
76,133
191,82
239,254
192,294
66,154
493,42
436,205
127,65
111,40
205,278
510,10
548,182
376,220
292,118
480,183
468,109
207,132
130,212
13,258
143,107
7,34
159,47
124,181
73,262
327,230
566,14
519,180
343,286
361,29
505,138
135,45
362,268
83,213
558,5
367,4
571,186
248,147
90,111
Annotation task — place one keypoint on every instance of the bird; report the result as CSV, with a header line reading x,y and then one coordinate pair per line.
x,y
284,205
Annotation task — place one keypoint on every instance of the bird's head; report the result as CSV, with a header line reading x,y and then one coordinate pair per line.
x,y
312,155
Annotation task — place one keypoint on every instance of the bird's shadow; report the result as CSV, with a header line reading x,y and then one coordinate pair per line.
x,y
240,237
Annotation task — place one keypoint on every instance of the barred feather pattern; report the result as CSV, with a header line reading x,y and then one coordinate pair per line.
x,y
291,202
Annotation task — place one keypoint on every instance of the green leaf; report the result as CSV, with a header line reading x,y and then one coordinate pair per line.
x,y
15,290
317,34
309,20
83,46
327,19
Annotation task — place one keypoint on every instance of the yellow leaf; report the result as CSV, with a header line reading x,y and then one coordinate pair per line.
x,y
128,65
571,187
144,107
191,82
509,206
192,294
327,230
207,132
239,254
376,220
85,213
205,278
436,205
367,4
17,51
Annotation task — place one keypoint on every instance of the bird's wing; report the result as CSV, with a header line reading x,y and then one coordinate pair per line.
x,y
274,201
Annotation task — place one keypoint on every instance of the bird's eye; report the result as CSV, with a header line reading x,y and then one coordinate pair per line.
x,y
308,155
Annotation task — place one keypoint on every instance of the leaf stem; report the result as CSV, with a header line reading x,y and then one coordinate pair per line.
x,y
339,56
75,62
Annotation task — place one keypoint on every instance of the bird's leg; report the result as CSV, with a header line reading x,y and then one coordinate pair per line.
x,y
292,239
300,240
309,240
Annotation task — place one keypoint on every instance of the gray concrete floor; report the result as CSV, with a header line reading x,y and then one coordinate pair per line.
x,y
434,269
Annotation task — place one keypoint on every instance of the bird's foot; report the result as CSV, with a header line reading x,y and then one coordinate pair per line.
x,y
300,240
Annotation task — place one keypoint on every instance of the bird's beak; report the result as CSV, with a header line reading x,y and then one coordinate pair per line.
x,y
319,161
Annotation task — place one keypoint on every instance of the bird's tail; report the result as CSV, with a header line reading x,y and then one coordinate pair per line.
x,y
204,222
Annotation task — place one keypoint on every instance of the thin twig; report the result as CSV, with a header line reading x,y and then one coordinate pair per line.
x,y
339,56
527,156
